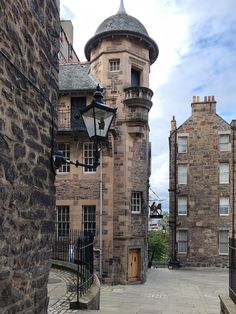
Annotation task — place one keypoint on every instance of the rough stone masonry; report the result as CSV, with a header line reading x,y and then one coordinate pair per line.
x,y
29,32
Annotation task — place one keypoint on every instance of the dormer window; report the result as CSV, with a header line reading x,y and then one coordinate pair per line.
x,y
114,65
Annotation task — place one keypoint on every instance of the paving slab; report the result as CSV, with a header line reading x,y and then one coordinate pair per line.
x,y
183,291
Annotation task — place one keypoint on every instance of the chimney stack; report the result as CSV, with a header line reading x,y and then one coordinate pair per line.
x,y
205,106
173,124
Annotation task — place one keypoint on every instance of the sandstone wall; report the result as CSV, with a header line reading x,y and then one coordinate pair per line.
x,y
29,32
202,190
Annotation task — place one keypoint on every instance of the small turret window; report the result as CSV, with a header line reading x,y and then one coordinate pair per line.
x,y
114,65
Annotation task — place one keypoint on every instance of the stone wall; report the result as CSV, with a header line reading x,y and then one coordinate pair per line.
x,y
202,190
29,32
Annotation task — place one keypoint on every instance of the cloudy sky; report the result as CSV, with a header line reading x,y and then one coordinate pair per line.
x,y
197,44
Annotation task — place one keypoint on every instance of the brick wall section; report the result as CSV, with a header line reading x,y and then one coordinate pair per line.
x,y
203,190
29,32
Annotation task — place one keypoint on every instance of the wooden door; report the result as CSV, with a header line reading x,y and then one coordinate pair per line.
x,y
134,265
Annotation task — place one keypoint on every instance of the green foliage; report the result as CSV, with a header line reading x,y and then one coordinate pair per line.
x,y
164,222
158,244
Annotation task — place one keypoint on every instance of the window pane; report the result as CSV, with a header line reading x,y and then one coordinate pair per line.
x,y
89,218
224,206
182,174
136,200
182,205
182,144
223,242
88,156
114,65
224,173
65,149
224,141
63,221
183,241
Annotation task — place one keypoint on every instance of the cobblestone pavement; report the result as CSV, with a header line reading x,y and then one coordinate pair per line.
x,y
193,291
62,290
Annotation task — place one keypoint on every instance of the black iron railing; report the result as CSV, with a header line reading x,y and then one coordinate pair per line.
x,y
232,269
64,119
85,264
65,247
77,247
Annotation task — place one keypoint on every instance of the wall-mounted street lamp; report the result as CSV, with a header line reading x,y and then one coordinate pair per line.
x,y
97,118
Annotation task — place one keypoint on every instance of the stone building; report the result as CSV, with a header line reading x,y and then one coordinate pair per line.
x,y
67,52
29,44
202,193
112,201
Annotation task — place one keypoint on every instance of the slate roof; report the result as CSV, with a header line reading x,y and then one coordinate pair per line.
x,y
121,22
73,77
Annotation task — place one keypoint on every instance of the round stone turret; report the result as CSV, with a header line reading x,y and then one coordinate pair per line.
x,y
122,24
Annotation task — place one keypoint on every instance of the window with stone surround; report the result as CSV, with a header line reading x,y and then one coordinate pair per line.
x,y
114,65
88,156
223,242
224,142
182,144
63,221
183,241
182,174
182,205
224,206
224,173
136,202
65,149
89,219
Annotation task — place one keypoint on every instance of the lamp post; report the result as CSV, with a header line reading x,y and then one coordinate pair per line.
x,y
97,118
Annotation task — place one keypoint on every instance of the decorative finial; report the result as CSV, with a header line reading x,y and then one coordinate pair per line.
x,y
121,8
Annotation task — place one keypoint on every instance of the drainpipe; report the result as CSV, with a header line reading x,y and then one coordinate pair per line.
x,y
174,262
175,199
233,183
100,216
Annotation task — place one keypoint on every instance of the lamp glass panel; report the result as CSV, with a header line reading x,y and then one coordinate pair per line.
x,y
103,120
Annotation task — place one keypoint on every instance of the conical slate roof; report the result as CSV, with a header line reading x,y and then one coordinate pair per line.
x,y
122,24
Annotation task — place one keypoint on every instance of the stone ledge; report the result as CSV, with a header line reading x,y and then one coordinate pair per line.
x,y
90,300
227,306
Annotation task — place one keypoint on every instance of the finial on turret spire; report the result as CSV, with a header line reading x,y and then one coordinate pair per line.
x,y
121,8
